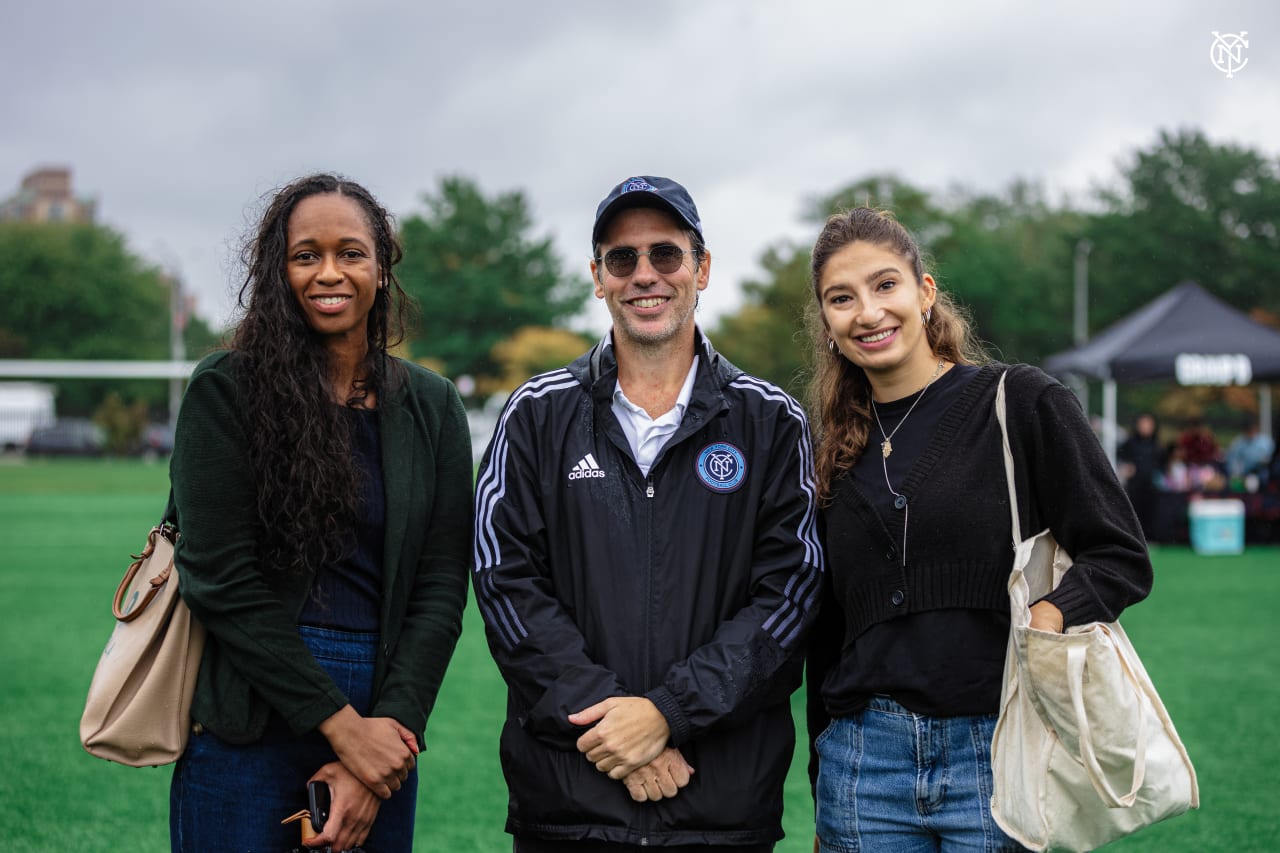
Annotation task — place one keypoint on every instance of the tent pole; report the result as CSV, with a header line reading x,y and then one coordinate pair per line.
x,y
1264,408
1109,420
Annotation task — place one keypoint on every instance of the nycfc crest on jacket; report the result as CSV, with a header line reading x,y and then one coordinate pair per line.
x,y
693,586
721,467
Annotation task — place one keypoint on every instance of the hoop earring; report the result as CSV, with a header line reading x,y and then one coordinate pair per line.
x,y
927,315
831,345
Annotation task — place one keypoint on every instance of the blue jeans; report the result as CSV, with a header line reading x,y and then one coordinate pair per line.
x,y
890,781
228,797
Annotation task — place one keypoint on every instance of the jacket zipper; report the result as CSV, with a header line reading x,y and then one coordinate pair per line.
x,y
648,619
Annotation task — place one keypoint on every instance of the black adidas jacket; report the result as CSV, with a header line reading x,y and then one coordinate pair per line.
x,y
694,586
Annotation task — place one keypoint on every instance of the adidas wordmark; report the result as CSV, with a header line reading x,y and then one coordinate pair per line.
x,y
586,468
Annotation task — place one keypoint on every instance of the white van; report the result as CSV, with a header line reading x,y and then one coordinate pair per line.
x,y
24,406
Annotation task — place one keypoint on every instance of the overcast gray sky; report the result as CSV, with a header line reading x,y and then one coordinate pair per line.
x,y
178,116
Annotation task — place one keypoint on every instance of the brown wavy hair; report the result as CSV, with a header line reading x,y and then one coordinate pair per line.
x,y
308,485
839,393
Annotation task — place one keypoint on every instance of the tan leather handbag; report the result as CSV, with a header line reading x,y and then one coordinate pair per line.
x,y
139,707
1084,751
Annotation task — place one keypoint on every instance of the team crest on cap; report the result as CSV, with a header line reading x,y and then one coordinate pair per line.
x,y
638,185
721,467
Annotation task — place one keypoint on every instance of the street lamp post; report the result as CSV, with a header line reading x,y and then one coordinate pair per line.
x,y
177,348
1080,325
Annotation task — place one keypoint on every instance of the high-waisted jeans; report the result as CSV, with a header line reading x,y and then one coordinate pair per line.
x,y
228,797
891,781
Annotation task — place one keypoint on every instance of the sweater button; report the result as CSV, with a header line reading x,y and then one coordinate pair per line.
x,y
899,502
898,597
890,554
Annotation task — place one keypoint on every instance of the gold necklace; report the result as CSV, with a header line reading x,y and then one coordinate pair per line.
x,y
886,446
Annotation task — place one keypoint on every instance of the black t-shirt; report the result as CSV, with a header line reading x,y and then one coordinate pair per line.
x,y
347,595
941,663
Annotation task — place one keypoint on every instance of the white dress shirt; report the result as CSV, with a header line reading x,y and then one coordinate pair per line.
x,y
648,435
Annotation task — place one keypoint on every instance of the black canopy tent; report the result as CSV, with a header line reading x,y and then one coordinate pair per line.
x,y
1188,336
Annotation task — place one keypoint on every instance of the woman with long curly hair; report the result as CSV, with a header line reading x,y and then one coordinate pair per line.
x,y
907,662
323,492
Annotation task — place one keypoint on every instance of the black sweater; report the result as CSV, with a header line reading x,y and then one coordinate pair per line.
x,y
959,543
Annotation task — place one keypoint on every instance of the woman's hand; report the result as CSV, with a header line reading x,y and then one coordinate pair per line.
x,y
352,809
1046,617
379,751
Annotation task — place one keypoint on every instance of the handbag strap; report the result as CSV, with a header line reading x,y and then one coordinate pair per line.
x,y
168,529
1002,417
1076,677
170,516
135,608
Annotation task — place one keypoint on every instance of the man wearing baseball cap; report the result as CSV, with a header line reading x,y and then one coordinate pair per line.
x,y
647,566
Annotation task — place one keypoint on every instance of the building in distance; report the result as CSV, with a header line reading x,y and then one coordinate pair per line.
x,y
45,196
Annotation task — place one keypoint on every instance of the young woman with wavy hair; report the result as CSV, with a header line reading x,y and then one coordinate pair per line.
x,y
323,493
907,662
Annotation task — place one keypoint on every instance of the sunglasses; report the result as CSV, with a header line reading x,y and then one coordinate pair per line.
x,y
666,259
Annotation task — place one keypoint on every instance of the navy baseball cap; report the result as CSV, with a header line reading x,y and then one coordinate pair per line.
x,y
647,191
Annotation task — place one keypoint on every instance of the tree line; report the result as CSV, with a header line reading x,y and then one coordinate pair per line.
x,y
495,301
1184,208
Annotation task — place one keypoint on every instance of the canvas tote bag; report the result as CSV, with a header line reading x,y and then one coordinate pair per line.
x,y
139,707
1084,751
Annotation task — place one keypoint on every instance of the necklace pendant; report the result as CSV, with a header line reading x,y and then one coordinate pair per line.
x,y
886,447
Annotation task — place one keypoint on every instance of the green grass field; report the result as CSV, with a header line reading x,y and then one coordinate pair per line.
x,y
1207,635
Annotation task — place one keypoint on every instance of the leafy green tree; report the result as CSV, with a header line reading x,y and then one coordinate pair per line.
x,y
766,336
1187,208
1008,259
533,350
911,205
478,276
77,292
123,423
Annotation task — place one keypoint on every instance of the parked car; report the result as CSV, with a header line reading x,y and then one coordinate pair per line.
x,y
156,441
68,437
24,407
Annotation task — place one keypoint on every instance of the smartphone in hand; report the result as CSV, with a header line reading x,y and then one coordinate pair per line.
x,y
318,803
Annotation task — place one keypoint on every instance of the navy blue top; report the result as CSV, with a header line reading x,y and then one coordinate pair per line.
x,y
346,596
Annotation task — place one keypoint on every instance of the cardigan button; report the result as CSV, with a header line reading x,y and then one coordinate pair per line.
x,y
890,554
898,597
899,502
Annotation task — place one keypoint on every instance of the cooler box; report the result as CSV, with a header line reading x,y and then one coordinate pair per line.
x,y
1217,526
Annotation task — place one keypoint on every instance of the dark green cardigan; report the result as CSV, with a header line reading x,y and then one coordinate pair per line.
x,y
255,659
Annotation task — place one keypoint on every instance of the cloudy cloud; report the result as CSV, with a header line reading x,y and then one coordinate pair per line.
x,y
178,117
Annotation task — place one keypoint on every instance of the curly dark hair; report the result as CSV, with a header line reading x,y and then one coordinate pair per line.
x,y
839,394
308,484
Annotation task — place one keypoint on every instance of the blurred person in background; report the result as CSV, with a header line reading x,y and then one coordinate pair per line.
x,y
1249,454
323,493
1198,445
1142,460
